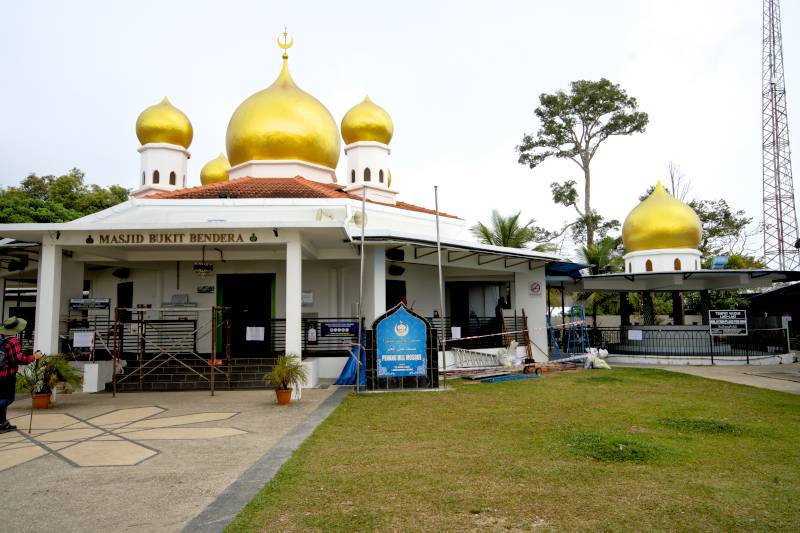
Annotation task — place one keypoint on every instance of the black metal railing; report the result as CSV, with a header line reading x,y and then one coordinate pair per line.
x,y
688,342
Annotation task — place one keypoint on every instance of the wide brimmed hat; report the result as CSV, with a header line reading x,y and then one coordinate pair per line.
x,y
13,325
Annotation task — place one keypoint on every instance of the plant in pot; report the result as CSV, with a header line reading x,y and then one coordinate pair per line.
x,y
40,377
288,372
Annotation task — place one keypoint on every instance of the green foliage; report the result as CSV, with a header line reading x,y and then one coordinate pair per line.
x,y
604,257
287,373
45,373
723,227
56,199
719,300
511,233
613,448
572,126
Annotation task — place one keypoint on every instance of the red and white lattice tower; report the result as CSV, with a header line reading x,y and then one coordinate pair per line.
x,y
780,218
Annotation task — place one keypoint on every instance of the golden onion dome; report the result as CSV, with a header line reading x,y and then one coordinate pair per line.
x,y
283,122
367,121
661,221
164,123
215,170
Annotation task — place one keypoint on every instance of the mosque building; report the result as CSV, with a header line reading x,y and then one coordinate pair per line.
x,y
273,234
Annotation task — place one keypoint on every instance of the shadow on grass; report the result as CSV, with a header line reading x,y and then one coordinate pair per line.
x,y
600,379
702,425
611,448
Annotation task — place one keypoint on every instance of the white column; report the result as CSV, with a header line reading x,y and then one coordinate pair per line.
x,y
294,295
377,282
48,298
530,294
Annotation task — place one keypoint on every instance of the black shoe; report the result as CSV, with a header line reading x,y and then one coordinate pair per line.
x,y
6,426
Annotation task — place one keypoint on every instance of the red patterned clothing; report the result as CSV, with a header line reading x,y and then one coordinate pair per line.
x,y
13,356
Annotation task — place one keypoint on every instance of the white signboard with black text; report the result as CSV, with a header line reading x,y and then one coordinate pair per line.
x,y
731,322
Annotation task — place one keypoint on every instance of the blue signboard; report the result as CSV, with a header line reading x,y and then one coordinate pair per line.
x,y
338,329
401,345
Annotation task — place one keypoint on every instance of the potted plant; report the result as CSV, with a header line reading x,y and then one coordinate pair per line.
x,y
288,372
40,377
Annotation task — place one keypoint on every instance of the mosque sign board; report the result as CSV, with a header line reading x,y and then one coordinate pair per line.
x,y
401,344
731,322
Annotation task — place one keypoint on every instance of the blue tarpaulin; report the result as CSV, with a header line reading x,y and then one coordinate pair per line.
x,y
348,375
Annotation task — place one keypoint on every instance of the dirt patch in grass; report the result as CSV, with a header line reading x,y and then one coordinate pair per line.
x,y
614,448
702,425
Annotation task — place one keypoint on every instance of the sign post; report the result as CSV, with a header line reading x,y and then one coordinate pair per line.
x,y
404,353
727,323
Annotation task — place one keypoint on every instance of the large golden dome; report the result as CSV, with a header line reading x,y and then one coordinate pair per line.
x,y
283,122
661,221
367,121
215,170
164,123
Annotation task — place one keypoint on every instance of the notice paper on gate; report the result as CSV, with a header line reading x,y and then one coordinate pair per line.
x,y
254,333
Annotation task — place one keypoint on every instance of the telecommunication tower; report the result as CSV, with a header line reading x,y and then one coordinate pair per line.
x,y
781,239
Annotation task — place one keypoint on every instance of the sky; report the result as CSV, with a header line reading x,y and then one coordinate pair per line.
x,y
460,80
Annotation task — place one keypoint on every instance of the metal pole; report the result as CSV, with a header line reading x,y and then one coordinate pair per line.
x,y
361,288
213,345
441,287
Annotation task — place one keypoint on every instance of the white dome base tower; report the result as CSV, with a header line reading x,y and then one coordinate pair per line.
x,y
663,260
163,168
368,169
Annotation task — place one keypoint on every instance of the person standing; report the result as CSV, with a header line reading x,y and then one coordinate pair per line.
x,y
11,357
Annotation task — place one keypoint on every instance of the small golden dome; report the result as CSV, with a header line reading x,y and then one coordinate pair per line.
x,y
215,170
367,121
283,122
661,221
164,123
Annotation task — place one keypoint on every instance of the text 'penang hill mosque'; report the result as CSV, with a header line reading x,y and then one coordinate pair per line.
x,y
272,240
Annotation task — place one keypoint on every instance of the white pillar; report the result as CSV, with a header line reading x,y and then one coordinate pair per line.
x,y
294,295
48,298
376,280
530,294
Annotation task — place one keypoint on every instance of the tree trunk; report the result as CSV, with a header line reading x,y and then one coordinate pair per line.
x,y
624,309
677,308
705,306
587,204
648,312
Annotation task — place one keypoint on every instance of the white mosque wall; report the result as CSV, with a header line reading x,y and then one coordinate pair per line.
x,y
168,160
663,260
283,169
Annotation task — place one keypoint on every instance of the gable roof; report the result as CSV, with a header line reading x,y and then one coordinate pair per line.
x,y
296,187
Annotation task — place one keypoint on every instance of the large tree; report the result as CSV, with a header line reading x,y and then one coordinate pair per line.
x,y
508,231
56,198
573,126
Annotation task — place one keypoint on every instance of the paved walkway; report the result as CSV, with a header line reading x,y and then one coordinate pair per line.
x,y
140,461
784,378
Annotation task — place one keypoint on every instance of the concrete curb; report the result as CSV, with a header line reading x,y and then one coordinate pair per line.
x,y
224,509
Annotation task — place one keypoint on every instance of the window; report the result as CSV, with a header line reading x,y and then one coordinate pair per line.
x,y
143,178
352,176
648,266
677,264
172,178
367,174
630,267
695,265
380,175
156,176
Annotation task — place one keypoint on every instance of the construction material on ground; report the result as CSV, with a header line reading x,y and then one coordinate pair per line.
x,y
464,358
488,374
510,377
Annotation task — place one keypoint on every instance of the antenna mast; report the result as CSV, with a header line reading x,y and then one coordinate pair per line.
x,y
781,239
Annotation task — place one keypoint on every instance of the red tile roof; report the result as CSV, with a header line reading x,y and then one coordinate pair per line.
x,y
296,187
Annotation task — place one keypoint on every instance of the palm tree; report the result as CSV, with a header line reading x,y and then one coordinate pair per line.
x,y
506,231
603,257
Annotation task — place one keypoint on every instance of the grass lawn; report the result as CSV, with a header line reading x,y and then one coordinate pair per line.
x,y
620,450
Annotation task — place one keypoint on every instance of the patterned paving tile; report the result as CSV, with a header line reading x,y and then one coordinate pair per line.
x,y
109,439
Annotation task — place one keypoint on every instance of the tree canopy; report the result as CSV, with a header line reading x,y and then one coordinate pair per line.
x,y
573,126
56,198
508,231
